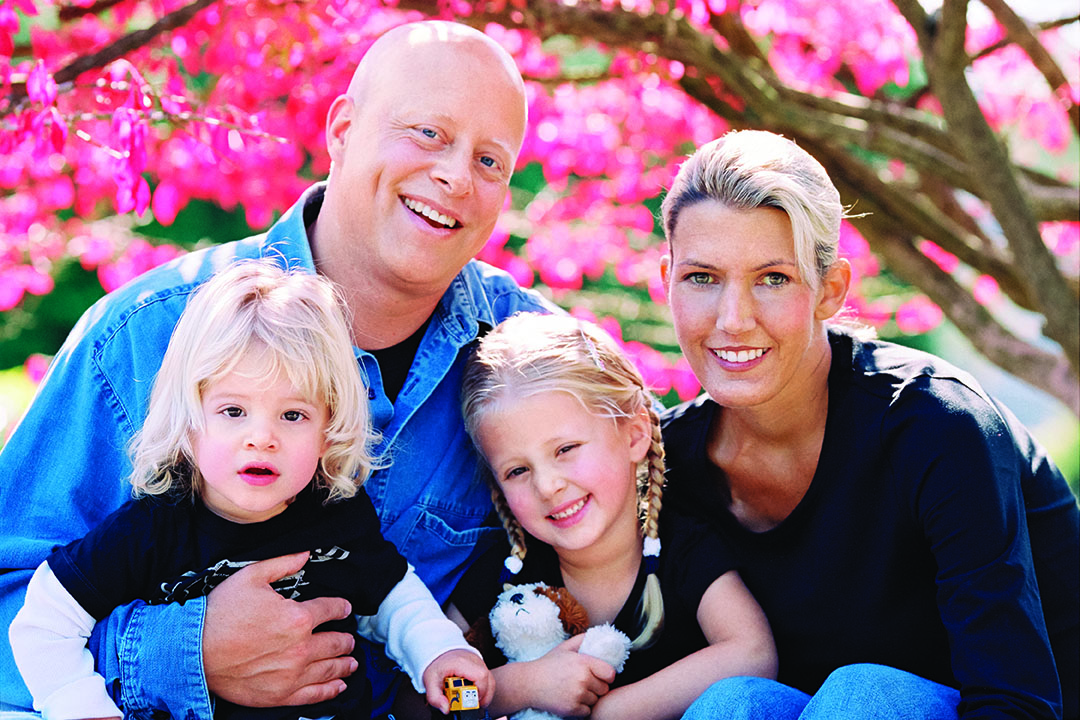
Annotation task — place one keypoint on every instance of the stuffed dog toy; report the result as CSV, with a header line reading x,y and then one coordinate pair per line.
x,y
529,620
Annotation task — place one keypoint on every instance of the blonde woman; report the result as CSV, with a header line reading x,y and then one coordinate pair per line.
x,y
914,550
255,446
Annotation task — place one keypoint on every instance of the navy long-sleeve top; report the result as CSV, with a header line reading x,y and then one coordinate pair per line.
x,y
935,537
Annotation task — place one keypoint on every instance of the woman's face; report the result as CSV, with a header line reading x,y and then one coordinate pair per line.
x,y
751,327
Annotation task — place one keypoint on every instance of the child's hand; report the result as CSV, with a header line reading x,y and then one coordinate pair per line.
x,y
567,683
461,663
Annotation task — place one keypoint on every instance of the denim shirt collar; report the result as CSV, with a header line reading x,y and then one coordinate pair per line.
x,y
287,240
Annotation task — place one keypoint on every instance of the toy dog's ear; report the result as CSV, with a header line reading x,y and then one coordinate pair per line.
x,y
479,635
573,615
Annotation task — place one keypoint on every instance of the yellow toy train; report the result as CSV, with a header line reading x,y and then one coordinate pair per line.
x,y
464,699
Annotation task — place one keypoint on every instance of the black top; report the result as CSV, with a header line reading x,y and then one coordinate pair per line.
x,y
161,550
911,547
395,362
691,559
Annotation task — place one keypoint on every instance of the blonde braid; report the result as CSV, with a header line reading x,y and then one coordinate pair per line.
x,y
651,605
514,532
654,480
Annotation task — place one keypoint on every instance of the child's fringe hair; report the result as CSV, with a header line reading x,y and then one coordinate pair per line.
x,y
531,353
294,321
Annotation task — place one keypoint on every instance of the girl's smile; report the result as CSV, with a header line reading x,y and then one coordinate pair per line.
x,y
571,513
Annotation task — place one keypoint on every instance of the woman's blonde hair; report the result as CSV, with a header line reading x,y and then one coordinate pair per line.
x,y
531,353
747,169
294,321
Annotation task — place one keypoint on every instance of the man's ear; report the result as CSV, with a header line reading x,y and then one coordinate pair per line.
x,y
338,121
834,289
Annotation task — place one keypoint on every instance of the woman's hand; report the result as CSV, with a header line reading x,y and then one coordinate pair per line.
x,y
258,647
563,682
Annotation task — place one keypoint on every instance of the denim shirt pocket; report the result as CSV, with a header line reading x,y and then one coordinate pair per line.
x,y
447,540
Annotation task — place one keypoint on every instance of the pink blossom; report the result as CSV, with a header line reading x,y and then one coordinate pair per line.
x,y
1062,238
1047,122
986,290
92,250
32,280
683,380
918,315
872,312
40,86
11,289
166,203
652,365
36,366
9,20
856,249
942,258
138,257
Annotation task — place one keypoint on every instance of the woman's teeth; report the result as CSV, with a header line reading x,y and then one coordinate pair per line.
x,y
740,356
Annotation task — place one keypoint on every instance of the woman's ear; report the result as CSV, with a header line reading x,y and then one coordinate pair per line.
x,y
665,273
834,289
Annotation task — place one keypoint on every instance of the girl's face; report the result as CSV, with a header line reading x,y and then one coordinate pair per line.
x,y
261,443
751,327
568,475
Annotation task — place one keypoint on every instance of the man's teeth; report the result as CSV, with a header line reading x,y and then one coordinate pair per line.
x,y
421,209
741,356
568,511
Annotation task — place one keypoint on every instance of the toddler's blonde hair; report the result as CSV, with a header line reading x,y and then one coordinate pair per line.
x,y
294,321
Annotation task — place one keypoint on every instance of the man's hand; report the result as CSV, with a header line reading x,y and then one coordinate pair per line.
x,y
258,648
460,663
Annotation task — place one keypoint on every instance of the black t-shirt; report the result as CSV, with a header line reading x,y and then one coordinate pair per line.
x,y
909,548
161,550
395,361
691,559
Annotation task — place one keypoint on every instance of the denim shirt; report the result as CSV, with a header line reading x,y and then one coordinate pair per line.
x,y
66,465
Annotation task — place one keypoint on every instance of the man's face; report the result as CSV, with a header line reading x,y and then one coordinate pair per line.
x,y
423,155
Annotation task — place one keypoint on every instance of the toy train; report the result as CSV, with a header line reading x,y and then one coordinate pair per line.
x,y
464,700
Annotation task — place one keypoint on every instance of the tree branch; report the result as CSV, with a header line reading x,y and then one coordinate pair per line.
x,y
1007,41
114,51
74,12
1039,368
1020,32
946,62
1048,371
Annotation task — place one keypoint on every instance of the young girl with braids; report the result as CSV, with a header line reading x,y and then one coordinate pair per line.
x,y
568,430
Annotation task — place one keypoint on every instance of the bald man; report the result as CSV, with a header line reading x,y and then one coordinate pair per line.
x,y
422,145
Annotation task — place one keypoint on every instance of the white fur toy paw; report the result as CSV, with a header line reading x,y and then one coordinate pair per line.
x,y
607,643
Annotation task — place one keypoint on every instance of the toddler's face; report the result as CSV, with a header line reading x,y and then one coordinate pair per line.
x,y
261,443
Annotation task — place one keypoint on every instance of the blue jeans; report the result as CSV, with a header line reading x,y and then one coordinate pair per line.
x,y
853,692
